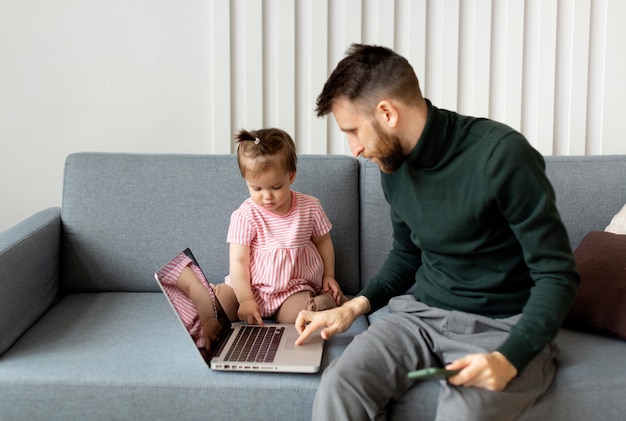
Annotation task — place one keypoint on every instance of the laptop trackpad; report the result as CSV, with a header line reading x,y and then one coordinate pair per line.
x,y
312,341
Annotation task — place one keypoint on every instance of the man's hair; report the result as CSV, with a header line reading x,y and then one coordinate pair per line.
x,y
367,75
261,149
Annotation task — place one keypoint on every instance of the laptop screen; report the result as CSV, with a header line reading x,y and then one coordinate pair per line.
x,y
184,307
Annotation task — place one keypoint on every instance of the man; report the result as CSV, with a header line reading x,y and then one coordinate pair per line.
x,y
475,227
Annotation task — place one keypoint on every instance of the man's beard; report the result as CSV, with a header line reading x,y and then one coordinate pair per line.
x,y
389,151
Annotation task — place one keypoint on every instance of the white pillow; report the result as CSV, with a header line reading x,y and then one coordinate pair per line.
x,y
618,223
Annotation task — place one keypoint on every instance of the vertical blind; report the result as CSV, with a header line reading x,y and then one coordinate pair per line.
x,y
536,65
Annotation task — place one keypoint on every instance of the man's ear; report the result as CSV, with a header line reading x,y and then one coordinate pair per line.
x,y
387,113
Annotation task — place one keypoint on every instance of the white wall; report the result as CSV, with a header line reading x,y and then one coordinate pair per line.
x,y
182,76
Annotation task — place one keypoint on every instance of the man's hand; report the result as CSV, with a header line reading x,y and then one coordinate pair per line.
x,y
335,320
249,312
490,371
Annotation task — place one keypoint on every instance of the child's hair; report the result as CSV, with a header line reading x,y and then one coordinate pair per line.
x,y
264,148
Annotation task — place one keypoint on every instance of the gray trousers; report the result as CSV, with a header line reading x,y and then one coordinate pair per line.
x,y
372,371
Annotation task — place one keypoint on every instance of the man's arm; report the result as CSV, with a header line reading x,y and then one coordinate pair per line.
x,y
397,273
527,201
333,321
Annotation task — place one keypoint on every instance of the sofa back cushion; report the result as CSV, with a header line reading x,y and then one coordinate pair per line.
x,y
589,191
376,231
125,215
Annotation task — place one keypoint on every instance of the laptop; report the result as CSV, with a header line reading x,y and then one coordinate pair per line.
x,y
246,347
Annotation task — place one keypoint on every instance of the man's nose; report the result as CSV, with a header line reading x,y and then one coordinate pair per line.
x,y
355,147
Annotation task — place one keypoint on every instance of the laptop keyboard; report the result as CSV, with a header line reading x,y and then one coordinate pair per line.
x,y
255,344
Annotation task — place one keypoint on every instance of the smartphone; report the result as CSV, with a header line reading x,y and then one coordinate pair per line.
x,y
432,373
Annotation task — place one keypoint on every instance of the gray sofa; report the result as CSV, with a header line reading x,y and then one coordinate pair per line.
x,y
86,334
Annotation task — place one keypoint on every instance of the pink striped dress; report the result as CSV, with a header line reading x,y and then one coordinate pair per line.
x,y
283,258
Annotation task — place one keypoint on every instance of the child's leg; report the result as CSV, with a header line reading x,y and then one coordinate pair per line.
x,y
227,298
303,300
288,311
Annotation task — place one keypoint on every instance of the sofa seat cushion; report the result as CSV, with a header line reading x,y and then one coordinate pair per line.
x,y
589,380
97,354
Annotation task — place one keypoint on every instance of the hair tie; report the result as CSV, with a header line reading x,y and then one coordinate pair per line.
x,y
257,140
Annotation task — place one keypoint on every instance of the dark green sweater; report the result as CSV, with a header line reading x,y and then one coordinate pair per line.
x,y
476,227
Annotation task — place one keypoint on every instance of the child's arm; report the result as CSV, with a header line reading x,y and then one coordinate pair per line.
x,y
326,250
240,278
189,283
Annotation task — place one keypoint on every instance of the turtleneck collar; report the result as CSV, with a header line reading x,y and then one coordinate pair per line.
x,y
432,142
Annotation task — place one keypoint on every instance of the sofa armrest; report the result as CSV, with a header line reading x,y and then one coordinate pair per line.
x,y
29,263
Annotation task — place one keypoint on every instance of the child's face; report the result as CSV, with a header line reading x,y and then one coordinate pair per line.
x,y
271,190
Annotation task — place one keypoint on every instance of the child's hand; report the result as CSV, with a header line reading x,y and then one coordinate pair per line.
x,y
211,330
330,284
249,312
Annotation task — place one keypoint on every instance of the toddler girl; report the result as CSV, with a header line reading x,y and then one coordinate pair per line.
x,y
282,258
